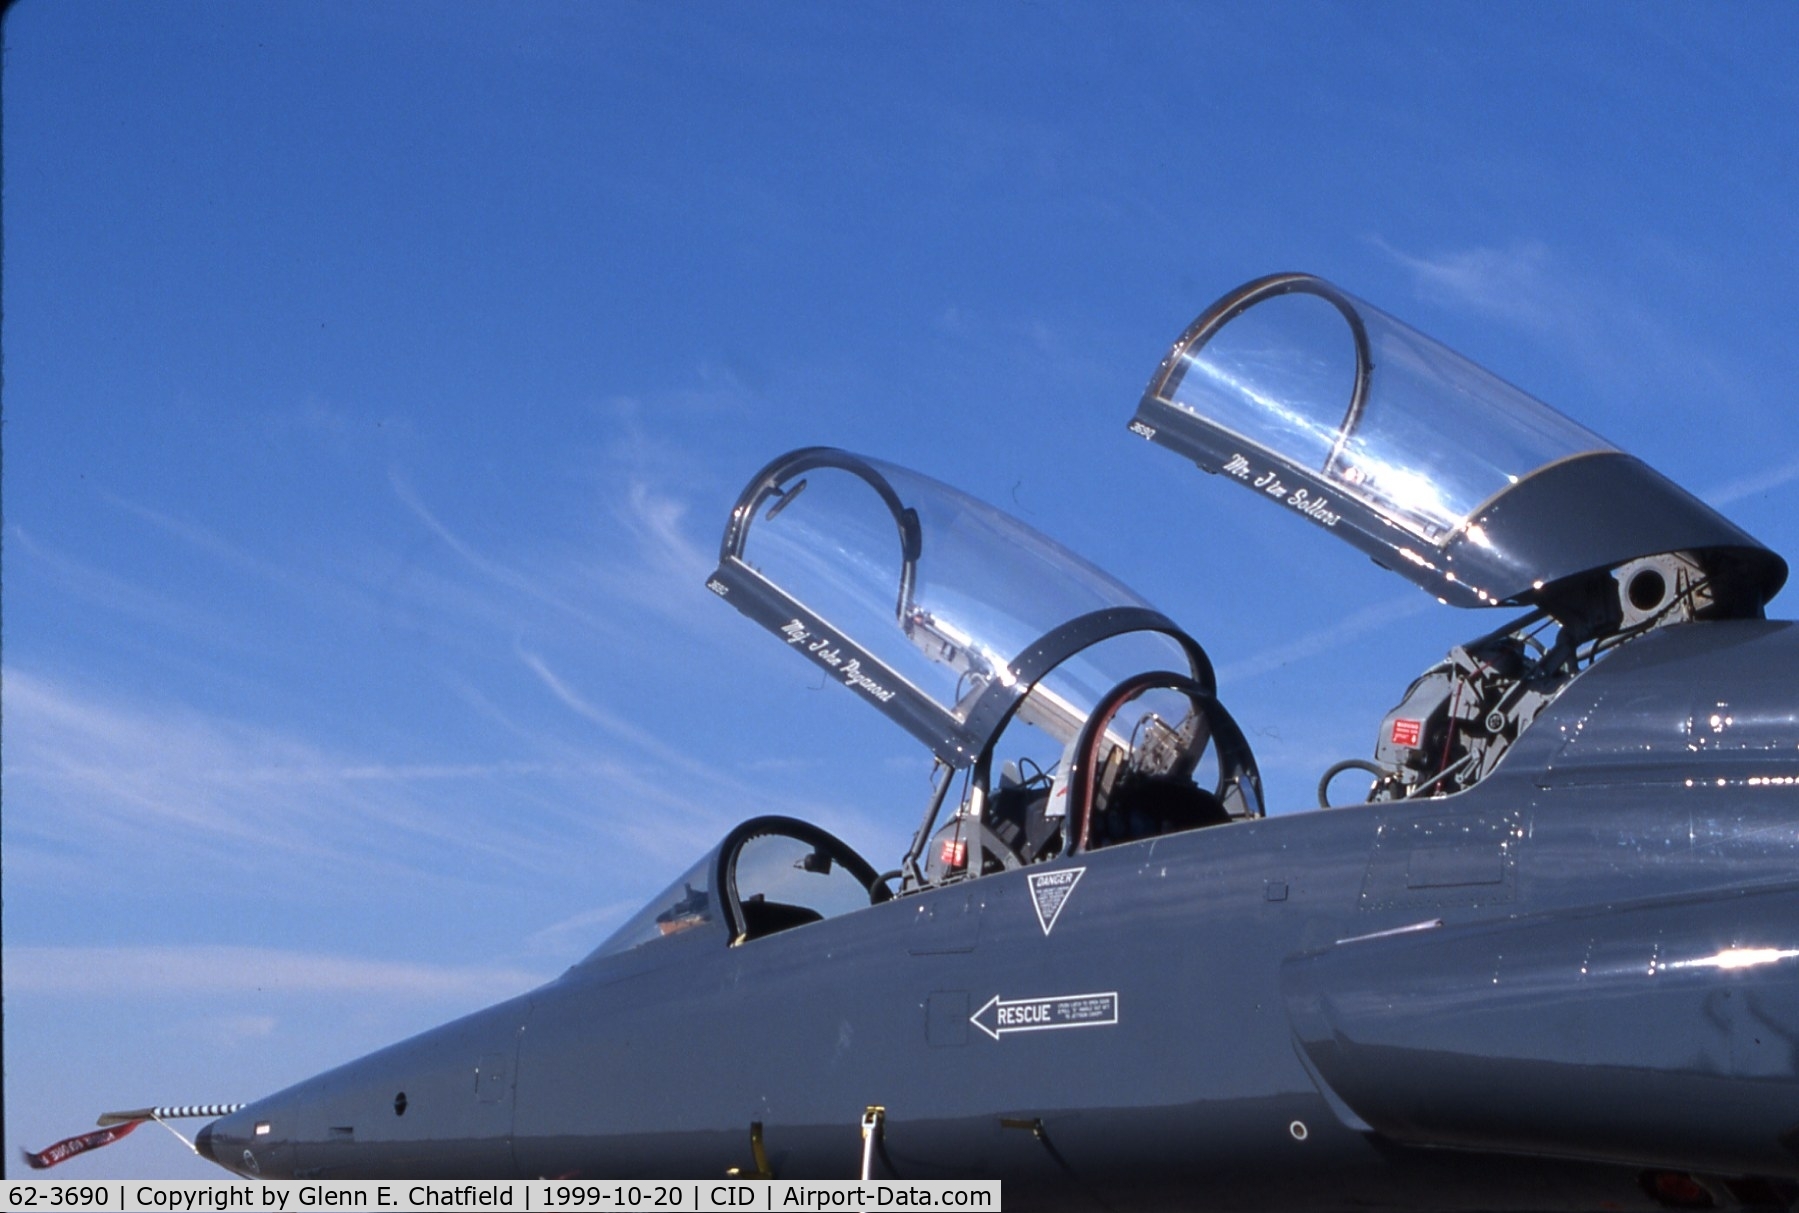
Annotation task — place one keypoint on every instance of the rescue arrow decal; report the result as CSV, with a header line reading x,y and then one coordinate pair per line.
x,y
1002,1015
1049,893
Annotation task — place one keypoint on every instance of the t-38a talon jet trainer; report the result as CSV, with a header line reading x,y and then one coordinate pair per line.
x,y
1548,960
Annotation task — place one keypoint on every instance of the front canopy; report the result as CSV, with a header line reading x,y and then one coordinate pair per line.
x,y
941,611
770,874
1441,471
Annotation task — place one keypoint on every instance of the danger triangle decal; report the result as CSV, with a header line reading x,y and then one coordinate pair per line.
x,y
1050,891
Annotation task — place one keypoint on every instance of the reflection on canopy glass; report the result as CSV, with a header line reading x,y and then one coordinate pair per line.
x,y
684,905
933,605
1327,383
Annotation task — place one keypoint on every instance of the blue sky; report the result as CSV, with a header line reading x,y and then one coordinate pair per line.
x,y
378,379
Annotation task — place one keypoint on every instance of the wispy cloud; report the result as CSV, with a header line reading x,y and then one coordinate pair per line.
x,y
654,555
201,538
1520,284
135,973
1604,326
579,932
581,706
134,781
318,589
646,562
1755,484
1324,640
101,786
657,521
695,820
534,587
237,1029
114,594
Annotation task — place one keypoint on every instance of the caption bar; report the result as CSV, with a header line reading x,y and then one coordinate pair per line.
x,y
286,1196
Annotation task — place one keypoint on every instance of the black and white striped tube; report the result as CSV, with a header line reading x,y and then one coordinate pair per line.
x,y
179,1112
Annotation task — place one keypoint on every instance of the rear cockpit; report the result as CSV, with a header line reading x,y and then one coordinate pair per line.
x,y
1462,484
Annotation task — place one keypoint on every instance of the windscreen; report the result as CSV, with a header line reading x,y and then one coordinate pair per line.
x,y
779,868
688,904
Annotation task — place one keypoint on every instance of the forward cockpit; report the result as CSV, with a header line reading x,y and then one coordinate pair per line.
x,y
1064,711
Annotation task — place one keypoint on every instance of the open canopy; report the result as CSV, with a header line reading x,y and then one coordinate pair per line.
x,y
1441,471
946,614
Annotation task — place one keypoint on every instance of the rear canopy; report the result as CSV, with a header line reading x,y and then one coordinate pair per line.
x,y
1438,469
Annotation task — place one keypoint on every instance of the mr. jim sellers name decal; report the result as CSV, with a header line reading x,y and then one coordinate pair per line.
x,y
1313,505
824,650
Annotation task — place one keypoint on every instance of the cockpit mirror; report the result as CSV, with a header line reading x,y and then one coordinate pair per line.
x,y
783,499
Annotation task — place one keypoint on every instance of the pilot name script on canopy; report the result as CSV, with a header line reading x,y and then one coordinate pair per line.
x,y
826,651
1312,505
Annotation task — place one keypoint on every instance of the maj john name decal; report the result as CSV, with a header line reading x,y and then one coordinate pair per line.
x,y
825,651
1049,893
1003,1015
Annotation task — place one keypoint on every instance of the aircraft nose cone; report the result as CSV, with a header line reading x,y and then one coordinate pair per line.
x,y
223,1142
233,1143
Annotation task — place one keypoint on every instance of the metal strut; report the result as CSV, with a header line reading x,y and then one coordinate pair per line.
x,y
758,1152
872,1122
1035,1127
